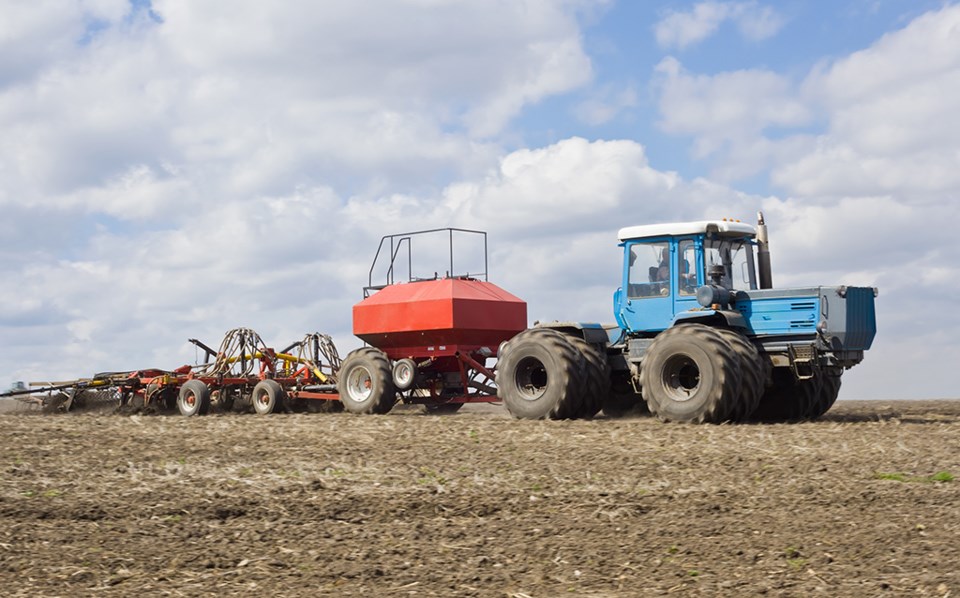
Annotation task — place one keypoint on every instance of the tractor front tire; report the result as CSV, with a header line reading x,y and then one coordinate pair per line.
x,y
829,390
366,382
540,375
691,374
789,399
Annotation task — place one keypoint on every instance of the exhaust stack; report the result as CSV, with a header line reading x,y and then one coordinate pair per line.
x,y
763,254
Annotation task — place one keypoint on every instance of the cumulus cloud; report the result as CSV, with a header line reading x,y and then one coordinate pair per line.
x,y
889,124
178,170
682,29
892,126
727,114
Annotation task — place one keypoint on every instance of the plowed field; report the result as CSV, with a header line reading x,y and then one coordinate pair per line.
x,y
862,503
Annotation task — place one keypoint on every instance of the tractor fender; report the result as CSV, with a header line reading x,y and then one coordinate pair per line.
x,y
592,332
711,317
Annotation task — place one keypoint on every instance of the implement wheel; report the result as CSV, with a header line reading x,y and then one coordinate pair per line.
x,y
540,375
691,374
267,397
194,398
404,374
366,382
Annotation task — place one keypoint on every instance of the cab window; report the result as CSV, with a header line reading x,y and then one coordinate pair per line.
x,y
649,270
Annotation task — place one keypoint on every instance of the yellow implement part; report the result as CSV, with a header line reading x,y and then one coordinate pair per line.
x,y
284,357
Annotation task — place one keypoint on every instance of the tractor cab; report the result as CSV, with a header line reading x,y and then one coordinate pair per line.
x,y
666,267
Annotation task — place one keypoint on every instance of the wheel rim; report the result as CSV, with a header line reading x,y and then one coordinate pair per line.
x,y
681,377
531,378
403,374
359,384
261,399
188,403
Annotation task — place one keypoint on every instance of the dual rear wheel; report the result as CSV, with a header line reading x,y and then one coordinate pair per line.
x,y
545,374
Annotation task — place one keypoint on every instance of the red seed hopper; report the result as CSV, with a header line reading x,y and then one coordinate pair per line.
x,y
439,317
429,337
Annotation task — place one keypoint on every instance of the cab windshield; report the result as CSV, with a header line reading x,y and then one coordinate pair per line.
x,y
735,258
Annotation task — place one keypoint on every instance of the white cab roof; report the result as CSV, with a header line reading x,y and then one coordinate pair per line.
x,y
723,227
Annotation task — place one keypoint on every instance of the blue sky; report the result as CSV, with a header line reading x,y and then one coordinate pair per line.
x,y
169,170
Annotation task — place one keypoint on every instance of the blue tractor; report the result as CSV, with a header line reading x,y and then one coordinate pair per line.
x,y
701,336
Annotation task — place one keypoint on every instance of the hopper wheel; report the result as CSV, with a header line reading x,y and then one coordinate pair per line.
x,y
366,382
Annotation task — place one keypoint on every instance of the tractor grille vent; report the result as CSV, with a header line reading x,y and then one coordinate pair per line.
x,y
807,307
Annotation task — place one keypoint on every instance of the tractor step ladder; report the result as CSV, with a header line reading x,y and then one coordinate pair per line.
x,y
802,360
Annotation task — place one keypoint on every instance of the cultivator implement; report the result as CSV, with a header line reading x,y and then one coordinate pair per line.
x,y
243,374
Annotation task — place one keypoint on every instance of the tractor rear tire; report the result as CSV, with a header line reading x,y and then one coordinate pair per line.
x,y
691,374
267,397
597,377
540,375
789,399
366,382
753,374
193,399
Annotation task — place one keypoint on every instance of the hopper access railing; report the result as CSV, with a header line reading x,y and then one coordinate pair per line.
x,y
396,252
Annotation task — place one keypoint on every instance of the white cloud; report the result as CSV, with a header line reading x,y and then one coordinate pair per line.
x,y
272,94
892,122
891,126
727,114
177,178
681,29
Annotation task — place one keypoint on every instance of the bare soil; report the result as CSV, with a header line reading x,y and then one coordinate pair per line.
x,y
861,503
